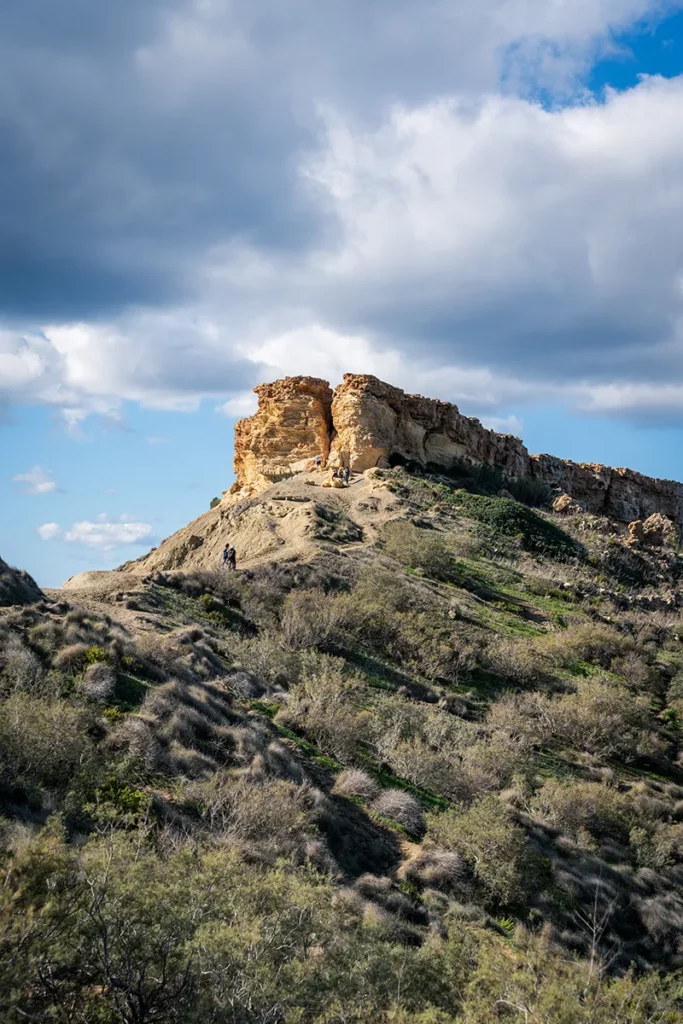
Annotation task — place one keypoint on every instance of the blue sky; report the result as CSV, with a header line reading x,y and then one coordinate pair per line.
x,y
481,204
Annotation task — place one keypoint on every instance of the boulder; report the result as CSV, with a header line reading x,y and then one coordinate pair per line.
x,y
565,505
653,532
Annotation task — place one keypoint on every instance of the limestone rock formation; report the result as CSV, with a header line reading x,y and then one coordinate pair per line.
x,y
17,587
366,423
292,425
376,424
565,505
653,532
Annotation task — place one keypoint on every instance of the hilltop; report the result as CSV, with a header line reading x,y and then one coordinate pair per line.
x,y
417,760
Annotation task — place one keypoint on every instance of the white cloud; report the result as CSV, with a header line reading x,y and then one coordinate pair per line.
x,y
504,424
464,242
239,406
37,481
49,531
99,534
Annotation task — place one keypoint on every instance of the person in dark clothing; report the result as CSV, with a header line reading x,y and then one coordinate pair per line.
x,y
226,555
347,474
232,558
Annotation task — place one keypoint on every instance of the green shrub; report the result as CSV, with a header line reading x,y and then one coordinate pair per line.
x,y
42,742
427,550
608,720
321,706
513,519
496,848
585,807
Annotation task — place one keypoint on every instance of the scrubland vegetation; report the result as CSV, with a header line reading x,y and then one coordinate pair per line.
x,y
433,779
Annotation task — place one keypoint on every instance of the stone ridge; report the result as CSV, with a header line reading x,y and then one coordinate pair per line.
x,y
367,423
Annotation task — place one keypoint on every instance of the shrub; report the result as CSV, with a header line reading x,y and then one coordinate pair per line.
x,y
42,741
354,782
582,807
19,667
99,683
492,844
214,502
607,720
320,705
274,813
427,550
73,658
513,519
439,869
308,619
401,807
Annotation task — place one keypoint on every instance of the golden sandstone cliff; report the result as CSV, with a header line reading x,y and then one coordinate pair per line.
x,y
366,423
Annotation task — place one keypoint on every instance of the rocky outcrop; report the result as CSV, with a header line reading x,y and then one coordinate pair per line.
x,y
653,532
293,424
366,423
564,505
376,424
17,587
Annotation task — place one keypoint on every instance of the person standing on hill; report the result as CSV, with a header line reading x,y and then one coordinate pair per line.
x,y
347,475
318,463
226,555
232,558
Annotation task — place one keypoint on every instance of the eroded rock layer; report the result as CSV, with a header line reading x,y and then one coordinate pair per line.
x,y
366,423
293,424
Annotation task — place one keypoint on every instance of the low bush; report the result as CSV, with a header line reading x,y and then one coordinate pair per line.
x,y
308,619
494,846
513,519
585,807
355,782
608,720
320,705
432,552
99,683
401,807
42,742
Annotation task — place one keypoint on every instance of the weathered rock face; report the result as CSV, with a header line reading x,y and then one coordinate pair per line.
x,y
17,587
367,423
292,425
376,424
620,494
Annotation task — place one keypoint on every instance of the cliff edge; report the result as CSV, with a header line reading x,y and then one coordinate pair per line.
x,y
367,423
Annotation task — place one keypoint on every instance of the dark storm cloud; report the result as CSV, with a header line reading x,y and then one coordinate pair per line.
x,y
114,179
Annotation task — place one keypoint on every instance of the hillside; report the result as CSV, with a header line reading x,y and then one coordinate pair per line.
x,y
417,760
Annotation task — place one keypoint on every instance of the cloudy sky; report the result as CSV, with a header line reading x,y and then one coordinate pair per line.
x,y
481,202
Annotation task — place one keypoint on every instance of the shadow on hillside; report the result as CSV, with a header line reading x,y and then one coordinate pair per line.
x,y
358,844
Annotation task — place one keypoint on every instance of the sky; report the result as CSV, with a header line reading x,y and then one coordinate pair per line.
x,y
478,202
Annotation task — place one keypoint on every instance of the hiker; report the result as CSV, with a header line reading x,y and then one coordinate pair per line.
x,y
232,558
318,463
226,555
347,474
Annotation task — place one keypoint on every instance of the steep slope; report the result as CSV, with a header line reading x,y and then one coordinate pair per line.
x,y
17,587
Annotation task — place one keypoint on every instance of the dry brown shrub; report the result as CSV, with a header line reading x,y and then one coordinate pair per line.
x,y
401,807
355,782
99,683
309,619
